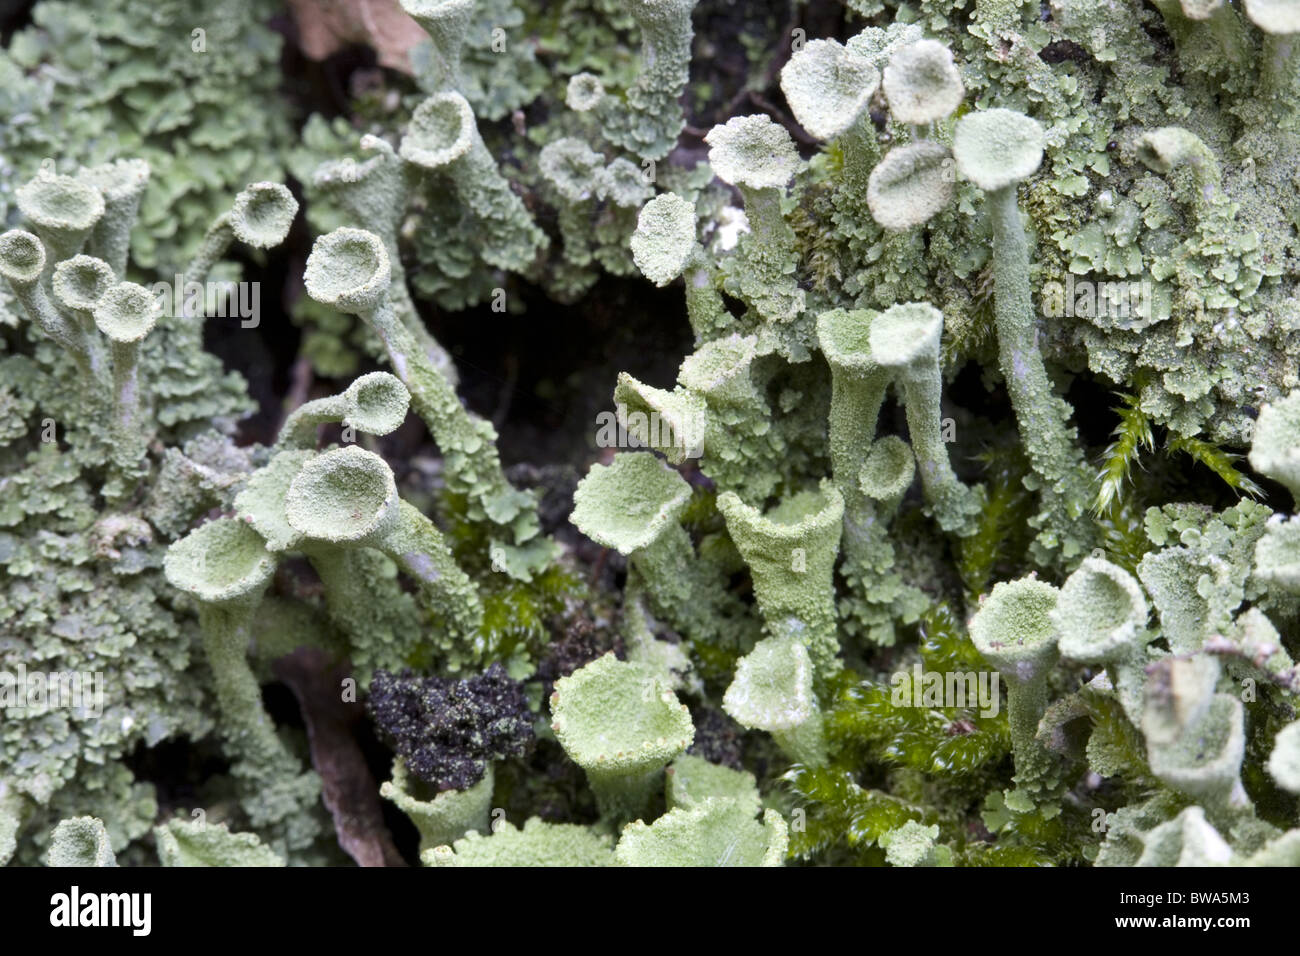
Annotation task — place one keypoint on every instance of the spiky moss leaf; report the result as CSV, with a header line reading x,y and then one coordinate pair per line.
x,y
1132,434
838,809
1000,540
1218,461
864,721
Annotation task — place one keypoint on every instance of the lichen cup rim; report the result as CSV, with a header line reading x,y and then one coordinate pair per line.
x,y
127,312
997,148
929,64
996,618
828,85
263,214
664,237
845,337
343,496
827,514
241,566
80,282
669,495
1088,630
579,704
906,334
60,202
377,403
753,151
718,362
429,140
889,469
22,256
350,286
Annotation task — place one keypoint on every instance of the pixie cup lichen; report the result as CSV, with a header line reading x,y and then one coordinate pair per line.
x,y
259,217
441,817
375,403
225,567
664,247
905,340
23,263
773,691
122,184
443,137
349,269
63,211
997,149
758,157
791,552
125,314
622,726
348,498
1100,617
1014,632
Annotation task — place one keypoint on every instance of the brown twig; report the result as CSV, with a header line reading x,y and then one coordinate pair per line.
x,y
349,790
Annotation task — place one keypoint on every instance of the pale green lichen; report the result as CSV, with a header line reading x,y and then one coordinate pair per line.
x,y
617,722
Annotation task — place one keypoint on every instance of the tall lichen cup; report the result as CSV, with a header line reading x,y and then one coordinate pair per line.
x,y
1013,630
791,552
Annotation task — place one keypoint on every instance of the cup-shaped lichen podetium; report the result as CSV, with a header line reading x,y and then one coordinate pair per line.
x,y
1014,632
905,340
1204,760
62,210
77,285
125,314
773,691
791,552
22,264
633,505
122,183
349,270
1100,618
225,566
758,157
260,217
447,23
829,87
716,832
664,246
622,727
997,149
441,817
911,185
647,119
922,84
443,136
375,403
347,497
374,194
673,423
